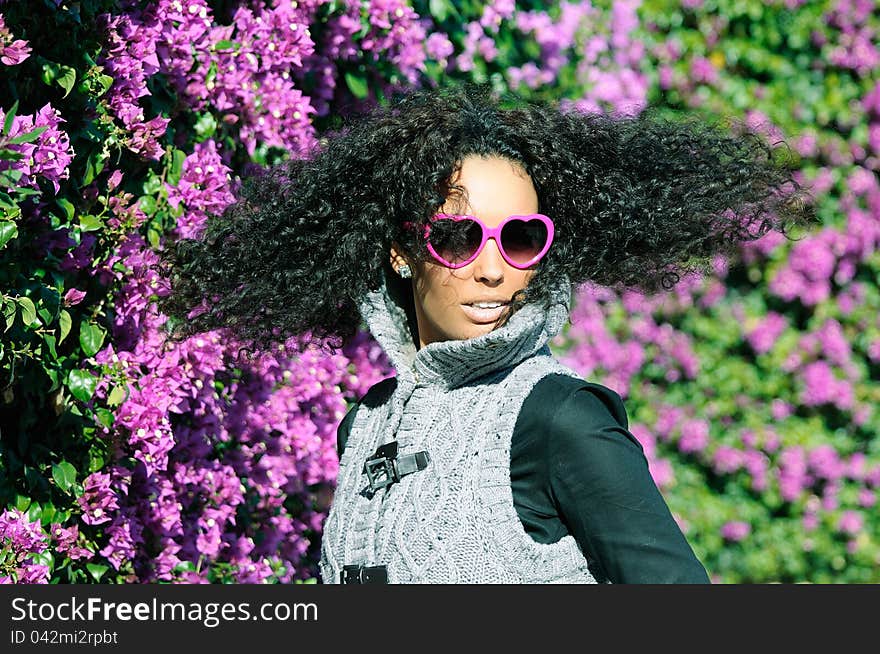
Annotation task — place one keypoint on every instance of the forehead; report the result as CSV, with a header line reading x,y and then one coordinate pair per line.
x,y
495,188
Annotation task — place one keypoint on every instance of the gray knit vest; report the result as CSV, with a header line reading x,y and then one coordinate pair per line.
x,y
454,521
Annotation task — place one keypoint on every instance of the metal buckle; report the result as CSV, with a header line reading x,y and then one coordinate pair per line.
x,y
381,472
384,467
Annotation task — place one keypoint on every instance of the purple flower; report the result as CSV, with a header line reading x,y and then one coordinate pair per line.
x,y
850,522
726,459
65,539
438,46
810,521
766,332
662,472
735,530
48,157
12,51
72,297
204,187
20,539
825,462
703,71
125,537
98,499
15,52
867,498
694,436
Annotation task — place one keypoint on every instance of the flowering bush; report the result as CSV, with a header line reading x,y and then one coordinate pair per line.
x,y
125,457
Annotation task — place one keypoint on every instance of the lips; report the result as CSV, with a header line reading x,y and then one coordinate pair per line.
x,y
483,316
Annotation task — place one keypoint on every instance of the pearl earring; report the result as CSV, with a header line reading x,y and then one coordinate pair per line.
x,y
404,271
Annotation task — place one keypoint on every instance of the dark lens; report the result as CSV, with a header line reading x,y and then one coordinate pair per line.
x,y
455,240
523,240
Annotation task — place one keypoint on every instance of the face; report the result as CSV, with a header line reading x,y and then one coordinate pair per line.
x,y
496,189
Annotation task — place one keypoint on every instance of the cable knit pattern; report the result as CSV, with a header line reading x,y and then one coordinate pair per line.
x,y
454,521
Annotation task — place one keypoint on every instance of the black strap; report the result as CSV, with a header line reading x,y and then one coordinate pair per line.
x,y
363,574
409,463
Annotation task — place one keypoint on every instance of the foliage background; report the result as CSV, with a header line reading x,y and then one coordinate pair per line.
x,y
125,458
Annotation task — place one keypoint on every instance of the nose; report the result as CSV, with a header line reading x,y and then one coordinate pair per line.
x,y
489,264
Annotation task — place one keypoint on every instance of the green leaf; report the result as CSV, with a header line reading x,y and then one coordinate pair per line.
x,y
97,570
94,166
117,395
105,82
51,299
148,204
439,9
82,384
97,459
10,116
177,159
28,137
9,178
64,475
65,321
28,310
8,231
44,558
67,207
9,206
10,155
185,566
153,184
26,192
67,79
205,127
105,417
90,223
153,238
91,337
48,513
9,310
211,75
225,44
34,511
357,85
50,72
22,502
49,340
52,374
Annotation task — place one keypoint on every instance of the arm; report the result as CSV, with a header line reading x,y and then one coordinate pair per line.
x,y
604,492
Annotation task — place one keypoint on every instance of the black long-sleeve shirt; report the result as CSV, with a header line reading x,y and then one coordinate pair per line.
x,y
575,468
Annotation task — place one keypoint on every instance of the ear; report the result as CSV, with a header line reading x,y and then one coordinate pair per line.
x,y
397,258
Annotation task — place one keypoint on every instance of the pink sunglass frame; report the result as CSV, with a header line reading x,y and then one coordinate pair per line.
x,y
490,232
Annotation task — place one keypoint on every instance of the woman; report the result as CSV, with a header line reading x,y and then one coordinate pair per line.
x,y
456,228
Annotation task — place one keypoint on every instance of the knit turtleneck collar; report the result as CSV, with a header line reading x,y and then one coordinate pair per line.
x,y
453,363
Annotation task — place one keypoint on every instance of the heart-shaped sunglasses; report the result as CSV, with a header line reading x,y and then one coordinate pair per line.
x,y
456,239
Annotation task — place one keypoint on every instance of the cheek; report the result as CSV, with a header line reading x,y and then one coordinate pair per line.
x,y
523,277
439,291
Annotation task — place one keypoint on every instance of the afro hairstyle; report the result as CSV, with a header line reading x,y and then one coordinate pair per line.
x,y
636,200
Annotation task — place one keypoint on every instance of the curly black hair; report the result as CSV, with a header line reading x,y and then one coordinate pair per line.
x,y
636,201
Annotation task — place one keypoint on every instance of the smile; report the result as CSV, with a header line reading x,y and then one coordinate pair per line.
x,y
483,315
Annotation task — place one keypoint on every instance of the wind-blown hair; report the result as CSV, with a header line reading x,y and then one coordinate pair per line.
x,y
636,202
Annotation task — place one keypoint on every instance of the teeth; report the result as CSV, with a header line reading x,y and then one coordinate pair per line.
x,y
489,305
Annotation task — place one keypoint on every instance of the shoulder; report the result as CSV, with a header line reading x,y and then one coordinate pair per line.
x,y
559,400
578,426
